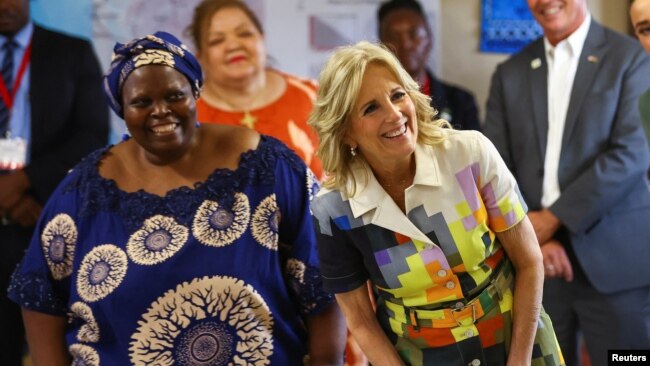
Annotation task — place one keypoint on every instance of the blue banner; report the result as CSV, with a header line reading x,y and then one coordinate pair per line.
x,y
507,26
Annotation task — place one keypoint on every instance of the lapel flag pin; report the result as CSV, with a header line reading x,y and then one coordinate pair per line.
x,y
592,58
535,64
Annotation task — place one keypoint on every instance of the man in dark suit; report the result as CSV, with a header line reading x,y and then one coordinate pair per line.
x,y
53,114
404,29
563,114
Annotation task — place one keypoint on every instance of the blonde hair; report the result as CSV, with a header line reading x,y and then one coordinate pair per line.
x,y
340,83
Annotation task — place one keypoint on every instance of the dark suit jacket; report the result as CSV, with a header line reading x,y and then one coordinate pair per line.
x,y
454,104
69,111
605,199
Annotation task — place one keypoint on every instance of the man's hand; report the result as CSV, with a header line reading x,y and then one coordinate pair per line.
x,y
556,261
12,188
26,211
545,224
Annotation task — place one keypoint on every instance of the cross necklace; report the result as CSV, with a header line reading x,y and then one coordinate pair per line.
x,y
248,120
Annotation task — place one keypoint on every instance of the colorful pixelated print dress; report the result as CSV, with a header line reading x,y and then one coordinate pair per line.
x,y
285,118
442,280
198,277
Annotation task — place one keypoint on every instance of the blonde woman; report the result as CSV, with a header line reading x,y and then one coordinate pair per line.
x,y
431,216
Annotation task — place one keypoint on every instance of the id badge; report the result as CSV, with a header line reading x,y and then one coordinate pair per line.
x,y
13,153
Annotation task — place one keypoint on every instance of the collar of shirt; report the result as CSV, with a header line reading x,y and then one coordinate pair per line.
x,y
369,193
22,37
575,41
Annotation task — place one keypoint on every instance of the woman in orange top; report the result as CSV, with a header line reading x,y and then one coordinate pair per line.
x,y
239,87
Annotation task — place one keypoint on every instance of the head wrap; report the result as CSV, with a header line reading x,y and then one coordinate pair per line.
x,y
161,48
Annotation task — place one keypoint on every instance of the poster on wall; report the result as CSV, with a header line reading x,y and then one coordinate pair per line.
x,y
507,26
301,34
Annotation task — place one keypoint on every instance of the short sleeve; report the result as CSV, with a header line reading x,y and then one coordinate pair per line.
x,y
342,263
499,191
41,282
295,185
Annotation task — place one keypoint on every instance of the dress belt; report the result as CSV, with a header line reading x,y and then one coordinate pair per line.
x,y
463,315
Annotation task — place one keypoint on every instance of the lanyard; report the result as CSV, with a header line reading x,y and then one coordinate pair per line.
x,y
7,98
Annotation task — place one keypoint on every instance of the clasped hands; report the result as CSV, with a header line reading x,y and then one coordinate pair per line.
x,y
15,203
556,260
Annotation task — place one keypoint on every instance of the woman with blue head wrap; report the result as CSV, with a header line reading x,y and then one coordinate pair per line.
x,y
181,245
160,48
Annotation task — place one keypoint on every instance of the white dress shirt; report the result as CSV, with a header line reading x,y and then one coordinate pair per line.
x,y
562,63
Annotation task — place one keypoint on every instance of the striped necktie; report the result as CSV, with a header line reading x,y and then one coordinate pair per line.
x,y
8,78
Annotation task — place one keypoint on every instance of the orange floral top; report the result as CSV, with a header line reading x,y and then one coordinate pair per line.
x,y
284,119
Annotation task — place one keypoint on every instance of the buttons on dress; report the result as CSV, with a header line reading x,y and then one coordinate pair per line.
x,y
442,273
475,362
470,333
450,285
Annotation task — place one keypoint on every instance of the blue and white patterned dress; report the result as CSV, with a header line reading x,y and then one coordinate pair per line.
x,y
224,272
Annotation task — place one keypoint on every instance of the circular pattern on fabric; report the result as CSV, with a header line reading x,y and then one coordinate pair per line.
x,y
89,331
83,355
159,239
101,272
58,240
216,226
215,320
266,222
207,343
312,184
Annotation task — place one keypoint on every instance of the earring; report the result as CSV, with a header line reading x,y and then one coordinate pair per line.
x,y
353,151
127,134
197,124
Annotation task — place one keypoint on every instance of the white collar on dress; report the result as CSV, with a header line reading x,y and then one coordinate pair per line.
x,y
370,194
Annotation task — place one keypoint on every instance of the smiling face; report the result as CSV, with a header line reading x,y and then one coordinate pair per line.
x,y
406,33
159,110
383,123
640,15
232,47
558,18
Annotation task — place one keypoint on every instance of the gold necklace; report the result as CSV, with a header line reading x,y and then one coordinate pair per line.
x,y
248,120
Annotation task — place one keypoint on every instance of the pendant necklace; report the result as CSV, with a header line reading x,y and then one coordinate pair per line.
x,y
248,120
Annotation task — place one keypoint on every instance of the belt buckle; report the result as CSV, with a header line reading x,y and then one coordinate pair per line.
x,y
459,309
412,315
